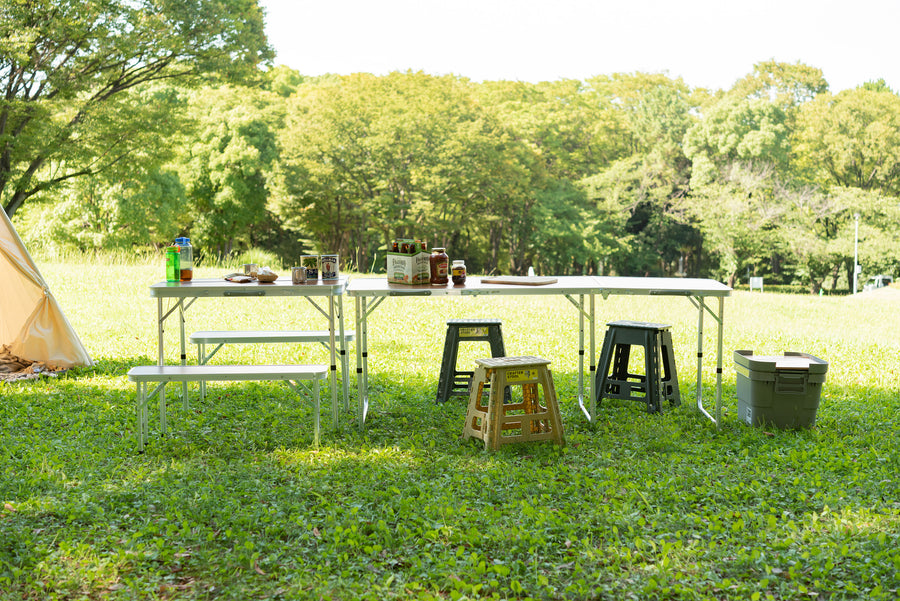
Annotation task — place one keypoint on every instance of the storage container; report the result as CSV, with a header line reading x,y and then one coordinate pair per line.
x,y
779,390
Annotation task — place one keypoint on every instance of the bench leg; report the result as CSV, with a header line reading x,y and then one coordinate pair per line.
x,y
316,413
201,360
315,389
141,414
163,429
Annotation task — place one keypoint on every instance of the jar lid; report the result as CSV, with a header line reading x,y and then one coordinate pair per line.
x,y
438,249
182,240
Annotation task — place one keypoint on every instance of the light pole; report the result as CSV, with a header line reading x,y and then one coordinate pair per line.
x,y
856,252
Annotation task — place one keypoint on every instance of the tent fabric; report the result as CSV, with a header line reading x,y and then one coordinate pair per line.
x,y
32,324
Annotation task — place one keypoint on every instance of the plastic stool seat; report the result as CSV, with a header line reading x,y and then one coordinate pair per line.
x,y
454,382
660,378
497,420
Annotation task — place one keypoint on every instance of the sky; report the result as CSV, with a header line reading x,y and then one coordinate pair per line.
x,y
709,43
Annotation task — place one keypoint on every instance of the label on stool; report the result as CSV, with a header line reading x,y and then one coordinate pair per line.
x,y
521,375
473,331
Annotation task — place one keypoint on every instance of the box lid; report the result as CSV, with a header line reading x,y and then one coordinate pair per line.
x,y
787,362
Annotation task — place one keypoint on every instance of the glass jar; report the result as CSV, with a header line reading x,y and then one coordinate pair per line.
x,y
458,272
186,256
440,264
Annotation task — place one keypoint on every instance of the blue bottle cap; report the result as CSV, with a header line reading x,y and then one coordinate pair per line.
x,y
182,240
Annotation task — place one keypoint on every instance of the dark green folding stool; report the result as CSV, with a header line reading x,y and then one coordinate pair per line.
x,y
454,382
660,378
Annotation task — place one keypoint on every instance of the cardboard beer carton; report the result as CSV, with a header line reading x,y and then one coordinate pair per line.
x,y
408,268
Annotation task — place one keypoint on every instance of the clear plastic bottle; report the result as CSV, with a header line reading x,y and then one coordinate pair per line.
x,y
187,258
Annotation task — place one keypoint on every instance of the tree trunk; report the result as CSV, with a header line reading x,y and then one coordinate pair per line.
x,y
850,268
835,273
17,200
495,238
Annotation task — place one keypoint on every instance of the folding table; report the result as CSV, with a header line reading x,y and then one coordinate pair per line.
x,y
371,292
330,291
581,291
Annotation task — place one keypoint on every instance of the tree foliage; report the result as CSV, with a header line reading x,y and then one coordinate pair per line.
x,y
628,174
227,165
851,140
64,64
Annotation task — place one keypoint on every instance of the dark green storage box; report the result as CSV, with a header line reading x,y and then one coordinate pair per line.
x,y
782,391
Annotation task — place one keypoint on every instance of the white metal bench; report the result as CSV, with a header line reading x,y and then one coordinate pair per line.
x,y
223,337
143,375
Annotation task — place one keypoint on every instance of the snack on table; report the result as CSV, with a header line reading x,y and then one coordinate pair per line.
x,y
266,275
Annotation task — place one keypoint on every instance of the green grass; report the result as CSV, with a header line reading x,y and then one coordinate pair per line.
x,y
236,504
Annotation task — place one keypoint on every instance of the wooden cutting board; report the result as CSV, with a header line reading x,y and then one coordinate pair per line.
x,y
519,280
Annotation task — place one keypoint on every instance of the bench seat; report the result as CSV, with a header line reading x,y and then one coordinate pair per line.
x,y
266,336
161,374
223,337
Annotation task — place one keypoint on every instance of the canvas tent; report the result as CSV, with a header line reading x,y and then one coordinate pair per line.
x,y
32,324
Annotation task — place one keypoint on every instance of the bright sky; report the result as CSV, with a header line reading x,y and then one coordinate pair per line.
x,y
710,43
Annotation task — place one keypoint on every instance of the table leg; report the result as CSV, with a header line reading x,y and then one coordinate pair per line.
x,y
161,397
184,385
581,353
699,303
721,322
720,318
589,408
335,408
361,351
345,361
593,359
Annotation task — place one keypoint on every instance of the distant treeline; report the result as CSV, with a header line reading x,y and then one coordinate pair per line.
x,y
629,174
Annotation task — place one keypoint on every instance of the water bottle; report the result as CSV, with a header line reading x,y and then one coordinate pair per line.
x,y
187,259
173,264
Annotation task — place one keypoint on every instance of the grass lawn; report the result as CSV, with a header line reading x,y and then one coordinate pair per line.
x,y
237,504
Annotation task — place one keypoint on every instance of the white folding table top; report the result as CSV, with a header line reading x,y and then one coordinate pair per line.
x,y
660,286
605,285
221,287
379,286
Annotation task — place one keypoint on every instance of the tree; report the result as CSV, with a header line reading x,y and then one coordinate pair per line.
x,y
879,222
645,186
635,199
787,85
736,130
367,159
654,108
64,62
139,199
850,140
227,165
101,212
739,216
575,130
